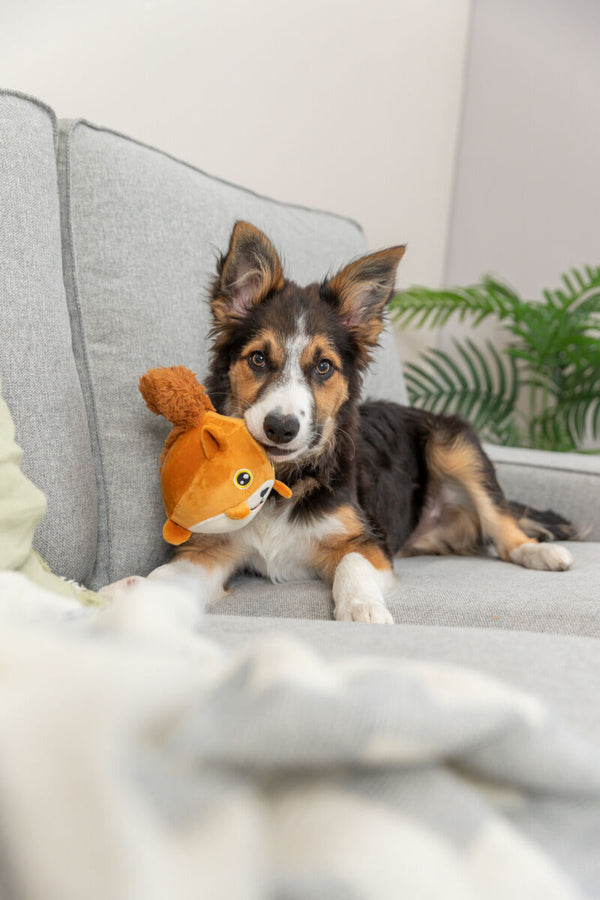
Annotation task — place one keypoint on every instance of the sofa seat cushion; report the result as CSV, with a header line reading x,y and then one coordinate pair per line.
x,y
564,670
37,368
475,592
142,233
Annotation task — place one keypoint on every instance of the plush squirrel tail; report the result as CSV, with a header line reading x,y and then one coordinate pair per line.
x,y
545,526
175,393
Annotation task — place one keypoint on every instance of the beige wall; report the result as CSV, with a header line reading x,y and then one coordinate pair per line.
x,y
527,189
350,105
527,194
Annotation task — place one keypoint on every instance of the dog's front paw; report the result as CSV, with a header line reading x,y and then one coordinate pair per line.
x,y
112,592
364,611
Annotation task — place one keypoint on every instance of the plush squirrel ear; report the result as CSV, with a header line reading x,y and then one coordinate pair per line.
x,y
211,444
360,292
249,271
174,392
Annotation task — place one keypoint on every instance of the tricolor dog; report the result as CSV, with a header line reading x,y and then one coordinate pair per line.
x,y
371,481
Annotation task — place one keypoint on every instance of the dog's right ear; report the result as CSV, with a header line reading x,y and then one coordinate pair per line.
x,y
360,293
249,271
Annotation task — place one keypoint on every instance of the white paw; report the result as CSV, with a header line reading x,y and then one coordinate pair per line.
x,y
148,608
112,591
549,557
364,611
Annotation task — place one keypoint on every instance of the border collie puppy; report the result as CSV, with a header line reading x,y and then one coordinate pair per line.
x,y
370,481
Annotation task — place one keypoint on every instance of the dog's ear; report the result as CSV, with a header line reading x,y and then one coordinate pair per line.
x,y
360,292
249,271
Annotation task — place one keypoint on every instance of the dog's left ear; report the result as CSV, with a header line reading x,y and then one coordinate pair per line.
x,y
249,271
360,293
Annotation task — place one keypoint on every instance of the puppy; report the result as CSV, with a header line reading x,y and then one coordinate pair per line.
x,y
370,481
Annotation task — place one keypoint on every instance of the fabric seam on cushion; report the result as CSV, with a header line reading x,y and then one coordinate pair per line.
x,y
8,92
321,212
28,98
82,364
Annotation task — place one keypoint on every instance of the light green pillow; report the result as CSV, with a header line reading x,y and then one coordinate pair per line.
x,y
22,507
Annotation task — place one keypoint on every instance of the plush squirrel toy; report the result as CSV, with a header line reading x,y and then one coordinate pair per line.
x,y
214,476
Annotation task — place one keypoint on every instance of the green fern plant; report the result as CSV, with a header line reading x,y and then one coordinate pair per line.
x,y
542,389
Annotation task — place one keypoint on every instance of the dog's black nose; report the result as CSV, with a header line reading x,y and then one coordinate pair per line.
x,y
281,429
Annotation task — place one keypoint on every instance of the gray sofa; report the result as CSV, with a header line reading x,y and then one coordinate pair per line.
x,y
106,249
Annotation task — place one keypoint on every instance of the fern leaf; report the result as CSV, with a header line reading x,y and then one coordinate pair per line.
x,y
555,350
436,307
482,364
465,386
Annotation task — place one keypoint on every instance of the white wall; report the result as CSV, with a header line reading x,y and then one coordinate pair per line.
x,y
349,105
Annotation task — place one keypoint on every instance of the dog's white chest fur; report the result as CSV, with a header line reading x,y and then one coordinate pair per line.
x,y
282,550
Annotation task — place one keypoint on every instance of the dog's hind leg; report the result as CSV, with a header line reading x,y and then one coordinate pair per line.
x,y
455,457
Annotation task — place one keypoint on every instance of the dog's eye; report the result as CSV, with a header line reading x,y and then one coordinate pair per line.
x,y
257,360
243,478
324,367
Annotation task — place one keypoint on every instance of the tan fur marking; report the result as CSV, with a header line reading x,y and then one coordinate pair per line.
x,y
330,396
375,556
266,340
304,487
509,536
319,346
459,462
354,539
331,393
208,550
244,386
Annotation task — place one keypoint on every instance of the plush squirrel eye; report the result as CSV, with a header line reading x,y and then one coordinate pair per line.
x,y
243,478
257,360
324,367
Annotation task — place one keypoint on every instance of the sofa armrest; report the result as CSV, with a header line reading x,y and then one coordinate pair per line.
x,y
568,483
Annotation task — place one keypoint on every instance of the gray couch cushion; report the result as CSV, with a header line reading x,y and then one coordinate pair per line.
x,y
476,592
563,670
141,236
37,367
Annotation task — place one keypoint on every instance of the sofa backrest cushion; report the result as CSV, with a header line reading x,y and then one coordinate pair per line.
x,y
37,366
141,236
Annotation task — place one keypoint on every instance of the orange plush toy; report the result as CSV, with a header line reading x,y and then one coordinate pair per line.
x,y
214,476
